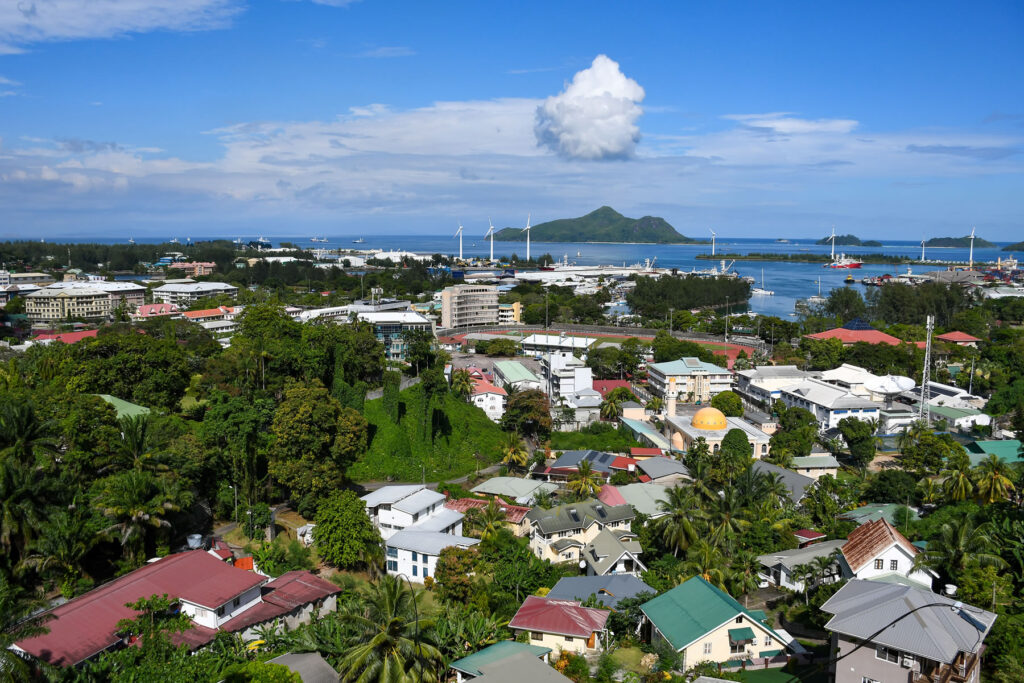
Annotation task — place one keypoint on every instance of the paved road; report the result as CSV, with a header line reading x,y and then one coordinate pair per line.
x,y
374,485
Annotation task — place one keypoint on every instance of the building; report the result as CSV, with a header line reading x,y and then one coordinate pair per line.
x,y
40,279
128,295
703,623
828,403
211,314
468,305
510,373
780,568
515,515
66,337
712,425
565,374
601,463
958,338
493,655
522,491
890,633
518,668
1007,450
194,268
184,294
692,379
558,534
215,596
562,624
606,386
390,327
877,550
875,511
414,552
612,553
663,471
585,405
310,666
959,418
608,590
762,384
489,398
538,344
855,332
403,506
816,466
510,314
81,303
940,394
147,311
644,497
796,483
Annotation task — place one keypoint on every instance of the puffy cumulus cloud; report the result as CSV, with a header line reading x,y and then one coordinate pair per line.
x,y
595,116
23,22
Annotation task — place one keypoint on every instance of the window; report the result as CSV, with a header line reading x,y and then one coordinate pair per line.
x,y
867,679
414,556
414,569
767,641
220,611
392,552
737,648
879,564
707,648
392,566
426,573
887,654
536,635
893,565
237,602
739,620
568,639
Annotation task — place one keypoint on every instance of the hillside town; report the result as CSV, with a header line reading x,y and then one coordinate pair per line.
x,y
233,463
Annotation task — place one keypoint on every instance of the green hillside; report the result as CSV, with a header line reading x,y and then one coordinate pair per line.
x,y
604,225
407,451
1018,246
958,242
849,241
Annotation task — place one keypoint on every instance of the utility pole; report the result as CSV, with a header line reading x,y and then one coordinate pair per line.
x,y
671,315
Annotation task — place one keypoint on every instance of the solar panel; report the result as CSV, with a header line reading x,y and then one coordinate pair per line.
x,y
858,324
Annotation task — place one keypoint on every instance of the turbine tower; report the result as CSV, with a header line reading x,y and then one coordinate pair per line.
x,y
712,241
970,259
832,237
458,233
527,231
922,250
490,233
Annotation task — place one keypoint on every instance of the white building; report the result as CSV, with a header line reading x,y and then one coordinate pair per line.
x,y
695,380
877,550
489,398
565,374
131,295
467,305
763,384
511,373
415,553
537,344
184,294
827,402
780,568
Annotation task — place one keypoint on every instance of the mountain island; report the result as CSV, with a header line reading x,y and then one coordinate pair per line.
x,y
849,241
604,225
958,242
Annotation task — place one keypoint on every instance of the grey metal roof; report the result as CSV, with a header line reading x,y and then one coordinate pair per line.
x,y
310,666
444,518
519,668
562,517
645,498
655,468
523,490
390,494
827,395
608,589
766,371
601,462
602,553
915,623
423,498
429,542
816,461
798,556
794,481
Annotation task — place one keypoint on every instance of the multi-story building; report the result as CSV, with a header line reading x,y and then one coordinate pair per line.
x,y
127,295
827,402
510,314
762,384
489,398
5,278
465,305
695,380
52,305
194,268
390,327
184,294
40,279
560,533
565,374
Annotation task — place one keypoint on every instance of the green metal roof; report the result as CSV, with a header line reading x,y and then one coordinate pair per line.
x,y
951,413
687,366
737,635
1007,450
124,408
759,614
514,371
643,429
768,654
693,609
872,512
495,653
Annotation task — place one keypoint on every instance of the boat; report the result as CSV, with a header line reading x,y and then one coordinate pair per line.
x,y
131,240
817,299
849,280
358,241
322,240
174,240
761,291
238,241
843,261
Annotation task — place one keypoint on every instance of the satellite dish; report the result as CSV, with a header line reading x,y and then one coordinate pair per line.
x,y
889,386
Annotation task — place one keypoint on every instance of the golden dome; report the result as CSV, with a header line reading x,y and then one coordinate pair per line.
x,y
710,418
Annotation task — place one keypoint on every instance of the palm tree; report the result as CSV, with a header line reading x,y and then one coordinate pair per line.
x,y
16,624
728,519
911,434
392,645
21,504
585,481
960,544
655,405
677,527
491,519
462,383
822,565
804,573
611,409
993,480
514,453
23,435
63,542
929,491
744,575
706,561
135,501
958,485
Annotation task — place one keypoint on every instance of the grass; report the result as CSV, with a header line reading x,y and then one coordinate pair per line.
x,y
407,452
628,658
809,674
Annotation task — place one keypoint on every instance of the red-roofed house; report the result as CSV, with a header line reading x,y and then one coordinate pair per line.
x,y
560,624
212,593
489,398
877,549
210,314
66,337
805,537
851,337
959,338
603,386
194,268
515,515
644,453
145,311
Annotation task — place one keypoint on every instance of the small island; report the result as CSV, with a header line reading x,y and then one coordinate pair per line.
x,y
958,242
1016,246
603,225
849,241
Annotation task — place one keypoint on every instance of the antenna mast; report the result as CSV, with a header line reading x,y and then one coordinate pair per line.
x,y
925,410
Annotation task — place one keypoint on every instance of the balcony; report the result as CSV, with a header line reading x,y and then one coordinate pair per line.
x,y
961,670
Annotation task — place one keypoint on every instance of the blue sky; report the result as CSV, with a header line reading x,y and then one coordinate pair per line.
x,y
294,117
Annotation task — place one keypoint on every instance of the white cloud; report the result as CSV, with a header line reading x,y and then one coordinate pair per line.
x,y
785,124
595,116
7,81
23,22
388,52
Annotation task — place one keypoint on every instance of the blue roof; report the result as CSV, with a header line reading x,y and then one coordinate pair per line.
x,y
600,462
858,324
687,366
608,589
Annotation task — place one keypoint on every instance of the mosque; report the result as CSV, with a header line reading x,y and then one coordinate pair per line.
x,y
713,425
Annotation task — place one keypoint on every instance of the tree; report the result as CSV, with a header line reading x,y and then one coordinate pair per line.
x,y
846,304
585,481
419,346
957,485
655,405
610,409
135,501
959,545
21,505
798,428
63,542
343,530
993,480
729,403
17,623
528,413
860,438
462,384
735,454
23,435
512,452
706,561
452,574
622,395
744,575
891,486
678,526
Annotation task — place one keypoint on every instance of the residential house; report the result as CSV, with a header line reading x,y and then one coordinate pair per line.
x,y
510,373
712,425
958,338
607,590
613,552
488,398
796,483
522,491
470,667
606,386
663,471
211,314
816,465
782,568
414,552
585,405
703,623
761,384
601,463
877,550
66,337
559,534
213,594
692,379
515,515
565,374
805,537
518,668
645,498
561,625
399,507
892,633
828,403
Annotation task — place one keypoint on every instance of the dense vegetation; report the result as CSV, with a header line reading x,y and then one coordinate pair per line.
x,y
958,242
849,241
653,297
603,225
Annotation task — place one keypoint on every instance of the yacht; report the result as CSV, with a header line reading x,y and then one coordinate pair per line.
x,y
761,291
358,241
817,299
322,240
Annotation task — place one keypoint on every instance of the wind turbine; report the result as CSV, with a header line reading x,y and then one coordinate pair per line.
x,y
922,250
458,233
527,231
832,237
490,233
970,259
712,241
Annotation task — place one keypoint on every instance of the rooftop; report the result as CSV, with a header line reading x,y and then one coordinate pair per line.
x,y
957,337
792,558
816,462
493,654
687,366
569,516
429,542
415,502
514,371
521,490
563,617
390,494
846,336
514,514
827,395
124,408
794,481
607,589
644,498
662,466
869,540
875,511
518,668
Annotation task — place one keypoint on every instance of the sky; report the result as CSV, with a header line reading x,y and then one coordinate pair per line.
x,y
206,118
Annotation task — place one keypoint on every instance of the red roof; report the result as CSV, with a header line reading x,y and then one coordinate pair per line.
x,y
603,386
86,625
645,452
853,336
482,386
957,337
610,496
150,310
621,462
68,337
644,478
208,312
221,549
514,514
808,534
563,617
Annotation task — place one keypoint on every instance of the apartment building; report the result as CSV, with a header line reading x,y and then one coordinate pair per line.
x,y
566,374
184,294
128,295
695,380
510,314
49,305
194,268
465,305
389,326
763,384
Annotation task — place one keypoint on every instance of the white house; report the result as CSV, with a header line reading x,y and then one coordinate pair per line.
x,y
878,550
763,384
184,294
395,508
566,374
780,568
827,402
489,398
511,373
414,553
